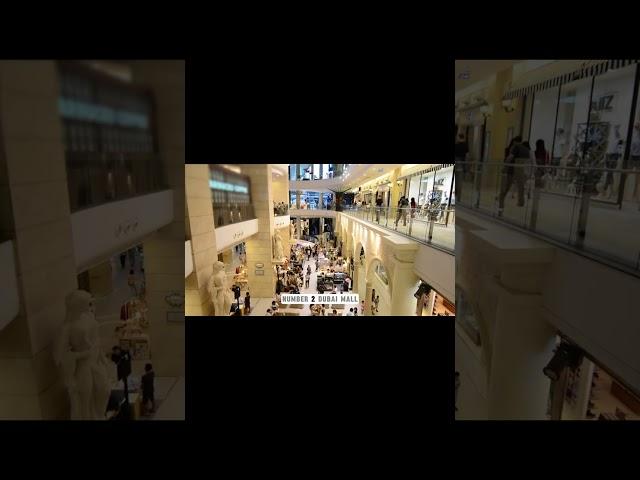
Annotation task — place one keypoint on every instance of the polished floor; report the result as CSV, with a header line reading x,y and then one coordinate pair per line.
x,y
169,391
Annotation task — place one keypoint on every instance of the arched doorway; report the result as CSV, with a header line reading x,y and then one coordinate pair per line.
x,y
378,284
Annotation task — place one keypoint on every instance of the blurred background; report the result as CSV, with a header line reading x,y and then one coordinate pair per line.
x,y
91,197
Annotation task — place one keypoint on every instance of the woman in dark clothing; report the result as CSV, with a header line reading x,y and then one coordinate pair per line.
x,y
148,389
247,304
542,158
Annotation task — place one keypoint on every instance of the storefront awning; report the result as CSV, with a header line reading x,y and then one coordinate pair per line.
x,y
585,71
438,166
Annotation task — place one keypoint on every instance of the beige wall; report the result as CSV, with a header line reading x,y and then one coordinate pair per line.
x,y
281,189
35,179
164,252
259,246
199,218
396,255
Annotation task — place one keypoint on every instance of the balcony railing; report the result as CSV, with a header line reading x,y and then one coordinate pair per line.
x,y
232,213
97,178
432,225
590,208
314,206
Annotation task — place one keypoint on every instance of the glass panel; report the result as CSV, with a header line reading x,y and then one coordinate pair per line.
x,y
610,111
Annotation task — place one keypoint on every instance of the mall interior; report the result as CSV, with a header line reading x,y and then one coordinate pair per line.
x,y
547,160
91,232
255,232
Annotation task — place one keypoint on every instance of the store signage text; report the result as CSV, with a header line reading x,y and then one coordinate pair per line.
x,y
238,235
124,228
603,104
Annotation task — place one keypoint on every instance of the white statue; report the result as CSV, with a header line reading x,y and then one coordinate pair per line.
x,y
278,248
84,367
292,230
220,291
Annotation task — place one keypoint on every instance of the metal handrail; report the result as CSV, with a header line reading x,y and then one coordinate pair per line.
x,y
418,223
598,201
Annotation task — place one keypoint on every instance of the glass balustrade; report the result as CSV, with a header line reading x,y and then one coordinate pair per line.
x,y
582,204
428,224
95,178
232,213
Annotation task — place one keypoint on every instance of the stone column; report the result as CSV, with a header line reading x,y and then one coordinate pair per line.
x,y
35,182
164,252
200,230
403,286
259,246
367,299
522,346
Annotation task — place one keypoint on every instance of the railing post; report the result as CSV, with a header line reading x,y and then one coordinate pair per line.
x,y
431,229
587,188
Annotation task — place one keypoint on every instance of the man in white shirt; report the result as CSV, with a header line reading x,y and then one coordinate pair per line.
x,y
349,313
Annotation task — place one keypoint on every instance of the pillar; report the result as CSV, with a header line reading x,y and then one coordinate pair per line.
x,y
200,230
368,288
164,252
522,346
35,184
395,191
403,286
259,246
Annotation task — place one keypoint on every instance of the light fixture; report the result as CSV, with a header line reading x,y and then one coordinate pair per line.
x,y
565,355
486,110
509,105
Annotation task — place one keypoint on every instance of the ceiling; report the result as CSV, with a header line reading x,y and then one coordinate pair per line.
x,y
479,70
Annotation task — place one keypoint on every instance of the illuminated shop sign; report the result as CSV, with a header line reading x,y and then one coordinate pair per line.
x,y
77,110
227,187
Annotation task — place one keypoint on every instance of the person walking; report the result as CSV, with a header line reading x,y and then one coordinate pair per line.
x,y
307,277
247,303
519,155
148,396
377,301
413,207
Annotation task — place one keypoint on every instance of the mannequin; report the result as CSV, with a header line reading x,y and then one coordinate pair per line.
x,y
84,366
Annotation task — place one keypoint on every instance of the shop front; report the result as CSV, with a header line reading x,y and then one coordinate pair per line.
x,y
589,118
584,389
432,303
431,188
